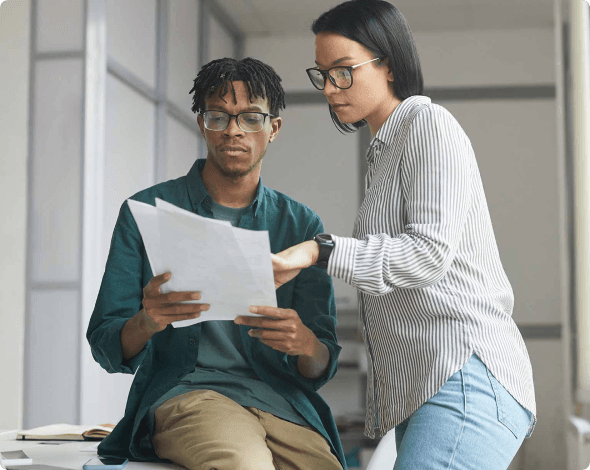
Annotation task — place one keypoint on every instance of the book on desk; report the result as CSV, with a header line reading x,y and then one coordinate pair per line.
x,y
66,432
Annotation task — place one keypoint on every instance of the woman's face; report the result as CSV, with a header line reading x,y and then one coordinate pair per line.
x,y
371,95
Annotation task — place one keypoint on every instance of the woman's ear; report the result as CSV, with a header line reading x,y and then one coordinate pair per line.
x,y
385,63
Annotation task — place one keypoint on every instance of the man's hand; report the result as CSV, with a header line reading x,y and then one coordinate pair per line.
x,y
159,310
283,330
288,263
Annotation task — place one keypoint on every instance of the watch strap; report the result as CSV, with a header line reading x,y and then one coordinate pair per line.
x,y
325,245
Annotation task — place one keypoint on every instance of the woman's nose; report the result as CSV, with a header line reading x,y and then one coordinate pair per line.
x,y
329,88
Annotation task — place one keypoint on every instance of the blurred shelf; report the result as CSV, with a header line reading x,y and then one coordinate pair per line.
x,y
348,333
352,433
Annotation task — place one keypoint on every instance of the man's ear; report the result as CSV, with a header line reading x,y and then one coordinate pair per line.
x,y
201,124
275,126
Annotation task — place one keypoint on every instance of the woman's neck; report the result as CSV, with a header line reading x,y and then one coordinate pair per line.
x,y
376,120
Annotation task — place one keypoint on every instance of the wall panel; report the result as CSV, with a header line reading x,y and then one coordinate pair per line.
x,y
14,82
60,25
129,153
182,147
220,41
131,36
51,358
55,221
183,36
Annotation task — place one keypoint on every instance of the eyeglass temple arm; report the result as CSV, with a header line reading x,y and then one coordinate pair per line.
x,y
358,65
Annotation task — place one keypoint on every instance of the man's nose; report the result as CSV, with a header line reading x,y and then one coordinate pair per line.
x,y
232,127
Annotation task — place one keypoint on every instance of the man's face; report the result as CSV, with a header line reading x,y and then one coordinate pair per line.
x,y
233,152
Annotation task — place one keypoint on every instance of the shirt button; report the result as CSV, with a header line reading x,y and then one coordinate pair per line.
x,y
192,341
207,200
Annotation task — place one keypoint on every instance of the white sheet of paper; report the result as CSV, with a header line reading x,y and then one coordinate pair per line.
x,y
146,218
230,267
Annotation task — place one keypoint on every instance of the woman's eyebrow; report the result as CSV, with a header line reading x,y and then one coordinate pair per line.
x,y
337,61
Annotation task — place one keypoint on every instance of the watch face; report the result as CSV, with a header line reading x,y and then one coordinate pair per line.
x,y
324,237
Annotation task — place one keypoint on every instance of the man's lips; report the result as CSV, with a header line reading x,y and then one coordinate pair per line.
x,y
338,105
231,148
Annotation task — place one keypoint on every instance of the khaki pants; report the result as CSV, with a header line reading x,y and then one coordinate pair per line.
x,y
204,430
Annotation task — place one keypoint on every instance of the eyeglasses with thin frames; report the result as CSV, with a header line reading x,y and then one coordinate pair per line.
x,y
340,76
248,121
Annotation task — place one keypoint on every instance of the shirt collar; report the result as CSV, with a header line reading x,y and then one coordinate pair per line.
x,y
198,192
391,126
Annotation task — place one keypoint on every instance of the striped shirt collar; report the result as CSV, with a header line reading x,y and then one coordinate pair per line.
x,y
391,126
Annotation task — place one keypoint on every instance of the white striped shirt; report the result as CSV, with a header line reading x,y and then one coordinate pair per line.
x,y
431,287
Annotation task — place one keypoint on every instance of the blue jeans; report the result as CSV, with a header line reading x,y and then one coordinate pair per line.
x,y
472,423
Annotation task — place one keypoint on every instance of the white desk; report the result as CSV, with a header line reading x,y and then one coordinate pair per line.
x,y
68,454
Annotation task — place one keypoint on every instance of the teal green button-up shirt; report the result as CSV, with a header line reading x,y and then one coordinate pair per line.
x,y
172,353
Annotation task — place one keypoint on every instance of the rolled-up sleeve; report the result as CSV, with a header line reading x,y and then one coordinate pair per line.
x,y
119,297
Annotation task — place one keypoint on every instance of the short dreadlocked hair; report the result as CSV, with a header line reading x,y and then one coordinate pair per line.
x,y
261,81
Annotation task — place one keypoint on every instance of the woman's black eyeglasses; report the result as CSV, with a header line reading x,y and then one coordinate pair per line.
x,y
340,77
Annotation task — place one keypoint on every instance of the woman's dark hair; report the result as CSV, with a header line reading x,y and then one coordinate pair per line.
x,y
382,29
261,81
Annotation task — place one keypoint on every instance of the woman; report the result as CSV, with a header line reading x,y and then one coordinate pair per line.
x,y
448,367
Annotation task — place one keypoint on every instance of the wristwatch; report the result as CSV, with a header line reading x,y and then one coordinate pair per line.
x,y
326,245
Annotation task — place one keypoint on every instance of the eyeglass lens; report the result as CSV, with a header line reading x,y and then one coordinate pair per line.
x,y
340,77
248,122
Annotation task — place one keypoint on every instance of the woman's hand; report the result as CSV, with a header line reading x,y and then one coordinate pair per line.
x,y
289,263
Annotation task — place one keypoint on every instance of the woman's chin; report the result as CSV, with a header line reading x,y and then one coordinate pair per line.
x,y
346,117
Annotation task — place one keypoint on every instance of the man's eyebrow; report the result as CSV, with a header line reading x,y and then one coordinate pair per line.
x,y
253,108
337,61
249,109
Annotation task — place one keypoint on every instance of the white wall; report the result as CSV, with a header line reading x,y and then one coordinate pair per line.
x,y
486,58
515,142
14,90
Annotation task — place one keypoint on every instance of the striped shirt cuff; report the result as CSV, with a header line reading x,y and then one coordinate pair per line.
x,y
341,261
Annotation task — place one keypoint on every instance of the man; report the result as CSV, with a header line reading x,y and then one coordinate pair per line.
x,y
220,394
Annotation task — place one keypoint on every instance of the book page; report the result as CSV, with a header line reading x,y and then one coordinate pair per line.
x,y
61,429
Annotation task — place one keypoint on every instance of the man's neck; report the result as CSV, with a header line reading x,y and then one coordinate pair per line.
x,y
230,192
